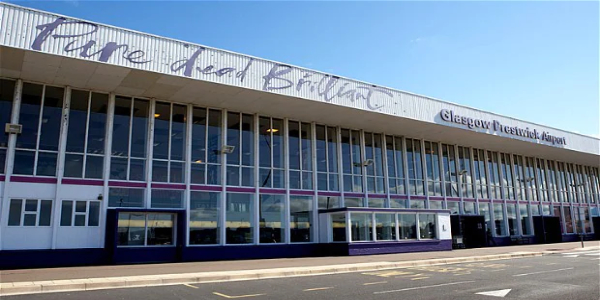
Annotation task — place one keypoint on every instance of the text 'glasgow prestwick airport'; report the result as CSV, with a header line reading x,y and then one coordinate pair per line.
x,y
449,116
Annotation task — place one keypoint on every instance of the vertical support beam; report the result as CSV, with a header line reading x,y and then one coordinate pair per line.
x,y
223,159
425,173
316,227
150,151
406,175
60,165
340,162
363,169
386,177
10,159
188,173
107,158
286,174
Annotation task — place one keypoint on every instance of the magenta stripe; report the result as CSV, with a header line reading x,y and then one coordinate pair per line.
x,y
126,184
399,197
2,177
271,191
484,201
168,186
353,195
453,199
82,181
297,192
33,179
377,196
240,189
436,198
469,200
206,188
330,194
418,197
513,202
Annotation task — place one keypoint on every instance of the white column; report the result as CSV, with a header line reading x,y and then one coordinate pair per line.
x,y
107,157
386,177
406,175
286,164
316,225
223,159
150,151
363,168
188,171
340,162
62,146
424,167
10,159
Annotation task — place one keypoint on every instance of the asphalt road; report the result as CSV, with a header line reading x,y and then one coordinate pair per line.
x,y
567,276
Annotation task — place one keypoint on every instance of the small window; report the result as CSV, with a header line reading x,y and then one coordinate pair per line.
x,y
29,212
80,213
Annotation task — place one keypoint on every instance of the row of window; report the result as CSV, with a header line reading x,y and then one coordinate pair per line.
x,y
318,156
35,212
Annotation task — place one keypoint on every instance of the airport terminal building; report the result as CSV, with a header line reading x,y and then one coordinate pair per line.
x,y
125,147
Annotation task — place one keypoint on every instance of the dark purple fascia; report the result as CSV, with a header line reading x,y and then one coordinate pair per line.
x,y
127,184
76,181
33,179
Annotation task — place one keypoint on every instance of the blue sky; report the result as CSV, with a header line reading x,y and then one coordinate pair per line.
x,y
536,61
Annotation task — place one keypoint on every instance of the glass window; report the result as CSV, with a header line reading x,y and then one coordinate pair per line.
x,y
206,134
131,229
398,203
271,152
525,220
125,197
327,158
432,162
86,134
454,207
352,160
159,229
204,218
385,226
169,142
465,173
427,228
480,174
354,202
417,204
166,199
239,218
338,227
578,220
301,219
586,219
499,219
75,213
494,170
374,163
469,207
329,202
415,167
436,204
41,118
552,182
361,227
272,218
407,224
395,162
484,210
300,155
29,212
511,214
7,90
450,172
129,139
542,185
529,179
507,178
240,163
376,202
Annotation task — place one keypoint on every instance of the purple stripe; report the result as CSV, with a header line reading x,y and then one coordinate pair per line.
x,y
403,197
513,202
168,186
469,200
2,177
126,184
535,202
271,191
354,195
484,201
240,189
331,194
206,188
453,199
82,182
307,193
436,198
377,196
33,179
373,209
418,197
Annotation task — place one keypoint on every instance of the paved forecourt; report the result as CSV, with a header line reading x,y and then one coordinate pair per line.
x,y
573,275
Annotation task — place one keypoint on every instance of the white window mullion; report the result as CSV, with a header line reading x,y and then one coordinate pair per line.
x,y
87,130
131,110
39,131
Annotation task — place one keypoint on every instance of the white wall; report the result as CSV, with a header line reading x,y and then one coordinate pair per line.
x,y
445,232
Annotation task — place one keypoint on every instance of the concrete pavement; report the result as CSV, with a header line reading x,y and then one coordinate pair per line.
x,y
102,277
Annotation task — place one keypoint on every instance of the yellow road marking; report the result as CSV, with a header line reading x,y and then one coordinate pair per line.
x,y
189,285
236,297
387,273
371,283
317,289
